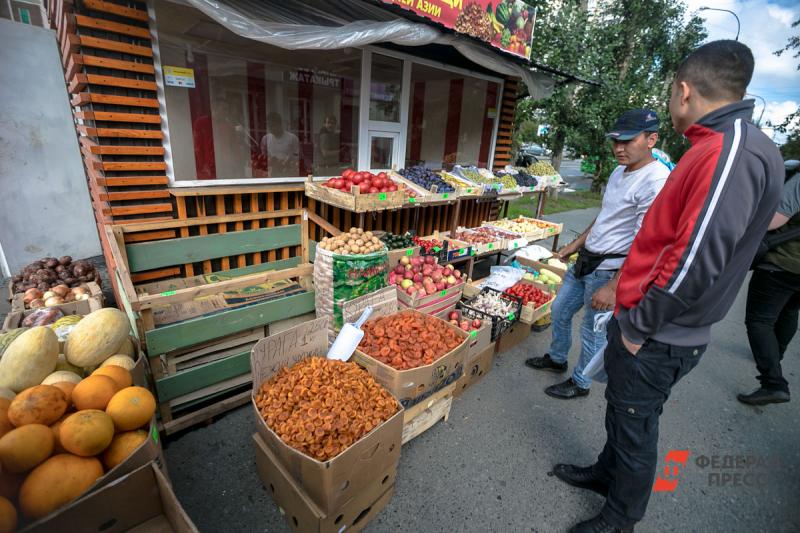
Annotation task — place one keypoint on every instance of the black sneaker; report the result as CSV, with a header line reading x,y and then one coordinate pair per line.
x,y
598,524
582,477
545,363
566,390
763,397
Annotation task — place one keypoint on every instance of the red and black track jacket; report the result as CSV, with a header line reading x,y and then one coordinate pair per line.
x,y
699,237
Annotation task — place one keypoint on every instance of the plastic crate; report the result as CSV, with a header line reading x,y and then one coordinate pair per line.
x,y
500,324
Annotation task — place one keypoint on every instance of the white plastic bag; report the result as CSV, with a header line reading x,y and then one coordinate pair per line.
x,y
534,252
502,277
595,369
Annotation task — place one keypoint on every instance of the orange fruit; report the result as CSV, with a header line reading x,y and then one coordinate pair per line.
x,y
25,447
94,392
131,408
123,445
42,404
120,375
56,482
86,432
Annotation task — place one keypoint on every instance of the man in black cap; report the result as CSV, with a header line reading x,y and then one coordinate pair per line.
x,y
602,248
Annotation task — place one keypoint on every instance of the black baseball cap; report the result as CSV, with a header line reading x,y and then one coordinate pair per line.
x,y
632,123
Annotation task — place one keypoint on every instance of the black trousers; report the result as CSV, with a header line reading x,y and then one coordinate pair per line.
x,y
637,388
773,302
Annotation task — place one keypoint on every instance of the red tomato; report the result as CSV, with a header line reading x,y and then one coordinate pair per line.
x,y
392,187
363,188
348,172
374,189
383,175
347,185
356,178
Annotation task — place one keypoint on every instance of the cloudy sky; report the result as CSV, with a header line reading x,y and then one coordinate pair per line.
x,y
766,27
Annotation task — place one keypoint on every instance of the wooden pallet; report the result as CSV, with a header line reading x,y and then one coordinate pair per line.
x,y
198,339
423,416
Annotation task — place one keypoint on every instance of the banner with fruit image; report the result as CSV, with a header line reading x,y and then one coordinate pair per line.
x,y
504,24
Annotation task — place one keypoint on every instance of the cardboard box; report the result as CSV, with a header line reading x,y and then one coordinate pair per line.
x,y
479,339
517,334
300,511
482,248
431,300
529,313
142,501
538,265
395,255
475,370
413,386
331,483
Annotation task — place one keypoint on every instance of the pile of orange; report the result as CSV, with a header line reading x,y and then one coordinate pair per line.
x,y
57,440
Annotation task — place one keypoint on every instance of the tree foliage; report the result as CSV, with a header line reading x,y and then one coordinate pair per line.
x,y
792,46
632,48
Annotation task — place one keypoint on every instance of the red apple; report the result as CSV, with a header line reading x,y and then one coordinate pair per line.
x,y
476,323
453,315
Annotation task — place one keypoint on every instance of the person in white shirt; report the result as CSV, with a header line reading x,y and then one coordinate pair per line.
x,y
602,248
281,148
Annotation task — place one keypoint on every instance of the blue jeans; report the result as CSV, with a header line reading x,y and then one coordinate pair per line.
x,y
574,294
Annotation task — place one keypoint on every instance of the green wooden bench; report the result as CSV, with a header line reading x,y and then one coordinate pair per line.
x,y
202,358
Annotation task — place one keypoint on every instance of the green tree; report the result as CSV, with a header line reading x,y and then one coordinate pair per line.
x,y
792,45
633,48
791,149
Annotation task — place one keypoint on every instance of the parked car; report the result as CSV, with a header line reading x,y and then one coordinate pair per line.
x,y
533,149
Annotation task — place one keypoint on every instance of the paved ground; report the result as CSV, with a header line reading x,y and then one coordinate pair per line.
x,y
486,468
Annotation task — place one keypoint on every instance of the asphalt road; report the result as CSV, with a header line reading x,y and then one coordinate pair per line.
x,y
485,469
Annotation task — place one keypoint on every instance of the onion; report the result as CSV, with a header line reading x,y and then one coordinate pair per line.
x,y
49,294
31,295
53,301
60,290
37,303
77,291
84,296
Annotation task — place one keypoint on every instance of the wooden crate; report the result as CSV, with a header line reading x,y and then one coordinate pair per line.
x,y
81,307
483,248
198,330
424,196
423,416
355,201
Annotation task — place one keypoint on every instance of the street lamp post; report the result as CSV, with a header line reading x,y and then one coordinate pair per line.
x,y
762,109
738,24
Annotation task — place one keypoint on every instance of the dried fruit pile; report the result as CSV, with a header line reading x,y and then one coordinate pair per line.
x,y
407,339
321,406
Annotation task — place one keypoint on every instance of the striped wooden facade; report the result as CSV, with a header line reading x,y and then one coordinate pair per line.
x,y
110,75
505,130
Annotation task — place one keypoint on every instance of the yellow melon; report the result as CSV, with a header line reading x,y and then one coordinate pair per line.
x,y
94,392
86,433
63,364
61,375
42,404
120,375
25,447
97,337
56,482
123,445
8,516
29,359
125,361
131,408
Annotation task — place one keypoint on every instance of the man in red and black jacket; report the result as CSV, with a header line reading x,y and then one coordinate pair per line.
x,y
683,271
